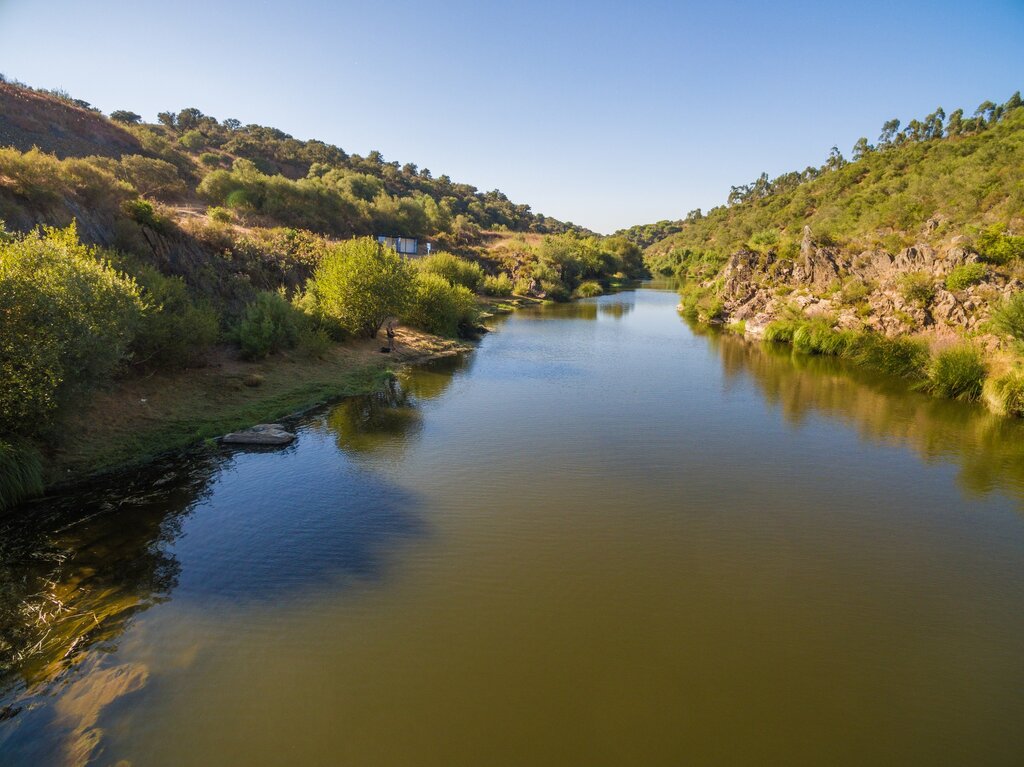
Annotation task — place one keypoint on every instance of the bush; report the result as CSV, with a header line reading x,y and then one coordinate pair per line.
x,y
589,289
220,215
997,247
917,287
68,319
176,331
854,292
764,240
458,271
1004,394
957,373
210,159
902,357
497,286
964,276
21,473
360,284
1008,317
555,290
441,308
268,325
193,140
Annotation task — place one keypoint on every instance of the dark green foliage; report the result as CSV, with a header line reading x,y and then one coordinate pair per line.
x,y
269,324
965,275
176,330
126,117
440,307
956,373
458,271
1008,317
21,473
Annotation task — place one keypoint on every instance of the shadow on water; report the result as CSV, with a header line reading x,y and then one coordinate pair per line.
x,y
988,449
76,568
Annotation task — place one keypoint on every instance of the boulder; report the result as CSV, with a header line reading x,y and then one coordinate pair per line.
x,y
261,434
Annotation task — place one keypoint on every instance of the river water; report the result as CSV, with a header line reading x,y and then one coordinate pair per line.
x,y
602,538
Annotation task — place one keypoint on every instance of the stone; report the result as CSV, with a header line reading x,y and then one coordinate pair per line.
x,y
261,434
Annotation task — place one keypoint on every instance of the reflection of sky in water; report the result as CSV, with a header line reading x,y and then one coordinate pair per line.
x,y
581,443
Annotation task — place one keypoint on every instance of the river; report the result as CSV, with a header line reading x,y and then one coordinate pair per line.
x,y
602,538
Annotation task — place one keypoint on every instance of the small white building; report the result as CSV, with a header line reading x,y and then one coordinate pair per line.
x,y
407,246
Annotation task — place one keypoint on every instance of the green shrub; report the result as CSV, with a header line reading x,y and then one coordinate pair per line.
x,y
175,331
1008,317
964,276
764,240
997,247
360,284
521,287
269,324
68,320
458,271
314,342
143,213
917,287
21,473
554,290
210,159
957,373
818,337
501,285
902,357
854,291
588,289
780,331
439,307
220,215
1004,394
193,140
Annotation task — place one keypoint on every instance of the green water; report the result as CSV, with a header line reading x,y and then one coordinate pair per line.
x,y
602,538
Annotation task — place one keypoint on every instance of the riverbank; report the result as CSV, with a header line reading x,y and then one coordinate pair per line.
x,y
136,419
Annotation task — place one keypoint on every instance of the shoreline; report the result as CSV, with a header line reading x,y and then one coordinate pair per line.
x,y
141,419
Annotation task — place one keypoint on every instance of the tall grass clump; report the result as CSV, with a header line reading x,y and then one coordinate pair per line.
x,y
819,337
1004,394
902,357
956,373
588,289
21,474
917,287
780,331
1008,317
440,307
458,271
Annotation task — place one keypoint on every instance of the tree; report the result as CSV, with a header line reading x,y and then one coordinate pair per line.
x,y
360,284
167,119
889,130
126,117
861,148
232,124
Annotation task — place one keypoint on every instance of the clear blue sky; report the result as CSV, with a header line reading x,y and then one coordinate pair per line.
x,y
607,114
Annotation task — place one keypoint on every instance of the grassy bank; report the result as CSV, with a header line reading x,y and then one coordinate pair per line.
x,y
135,420
957,371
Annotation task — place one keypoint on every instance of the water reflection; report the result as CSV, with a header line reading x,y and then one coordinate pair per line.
x,y
616,309
988,449
75,570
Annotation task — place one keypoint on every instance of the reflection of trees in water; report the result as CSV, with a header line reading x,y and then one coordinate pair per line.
x,y
431,380
988,448
617,309
73,571
372,422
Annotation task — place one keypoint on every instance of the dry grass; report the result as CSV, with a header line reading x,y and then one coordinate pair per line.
x,y
139,418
